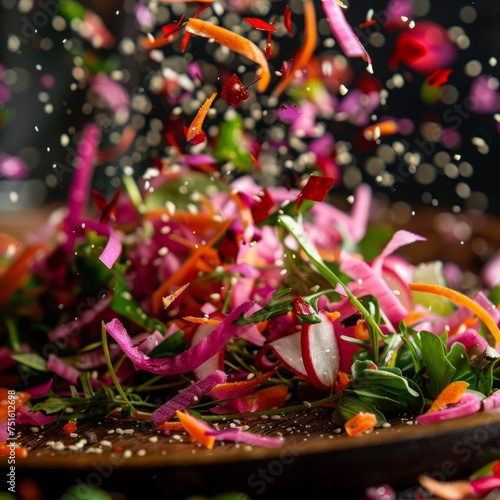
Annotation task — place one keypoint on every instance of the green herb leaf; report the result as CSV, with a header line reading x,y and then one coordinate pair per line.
x,y
31,360
383,390
439,371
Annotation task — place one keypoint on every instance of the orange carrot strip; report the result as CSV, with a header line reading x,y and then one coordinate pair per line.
x,y
170,298
266,399
377,130
244,384
332,316
197,123
360,423
12,279
170,426
343,380
414,316
306,51
159,41
460,299
450,395
360,331
234,42
19,451
202,321
467,323
195,429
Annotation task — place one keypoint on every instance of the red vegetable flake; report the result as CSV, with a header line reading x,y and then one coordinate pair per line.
x,y
234,92
268,45
496,469
316,189
261,211
187,36
70,427
229,248
108,209
406,50
300,306
367,23
197,139
255,161
117,449
173,27
287,19
439,77
259,24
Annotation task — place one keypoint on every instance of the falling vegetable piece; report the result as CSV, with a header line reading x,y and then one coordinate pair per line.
x,y
343,32
259,24
439,77
235,42
377,130
170,298
316,189
108,209
460,299
287,19
170,29
195,127
268,42
305,53
234,92
187,35
450,395
360,424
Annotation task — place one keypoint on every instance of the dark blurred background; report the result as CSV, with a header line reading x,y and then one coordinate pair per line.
x,y
44,100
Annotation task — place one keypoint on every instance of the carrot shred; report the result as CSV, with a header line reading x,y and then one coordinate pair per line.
x,y
265,399
170,298
234,42
467,323
460,299
360,423
14,277
413,317
170,426
332,316
195,429
197,123
306,51
377,130
19,451
360,331
342,380
450,395
202,321
244,384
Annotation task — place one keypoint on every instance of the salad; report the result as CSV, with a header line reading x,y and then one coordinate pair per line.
x,y
203,290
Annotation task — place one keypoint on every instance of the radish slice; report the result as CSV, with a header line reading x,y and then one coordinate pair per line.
x,y
216,362
320,352
469,404
288,350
